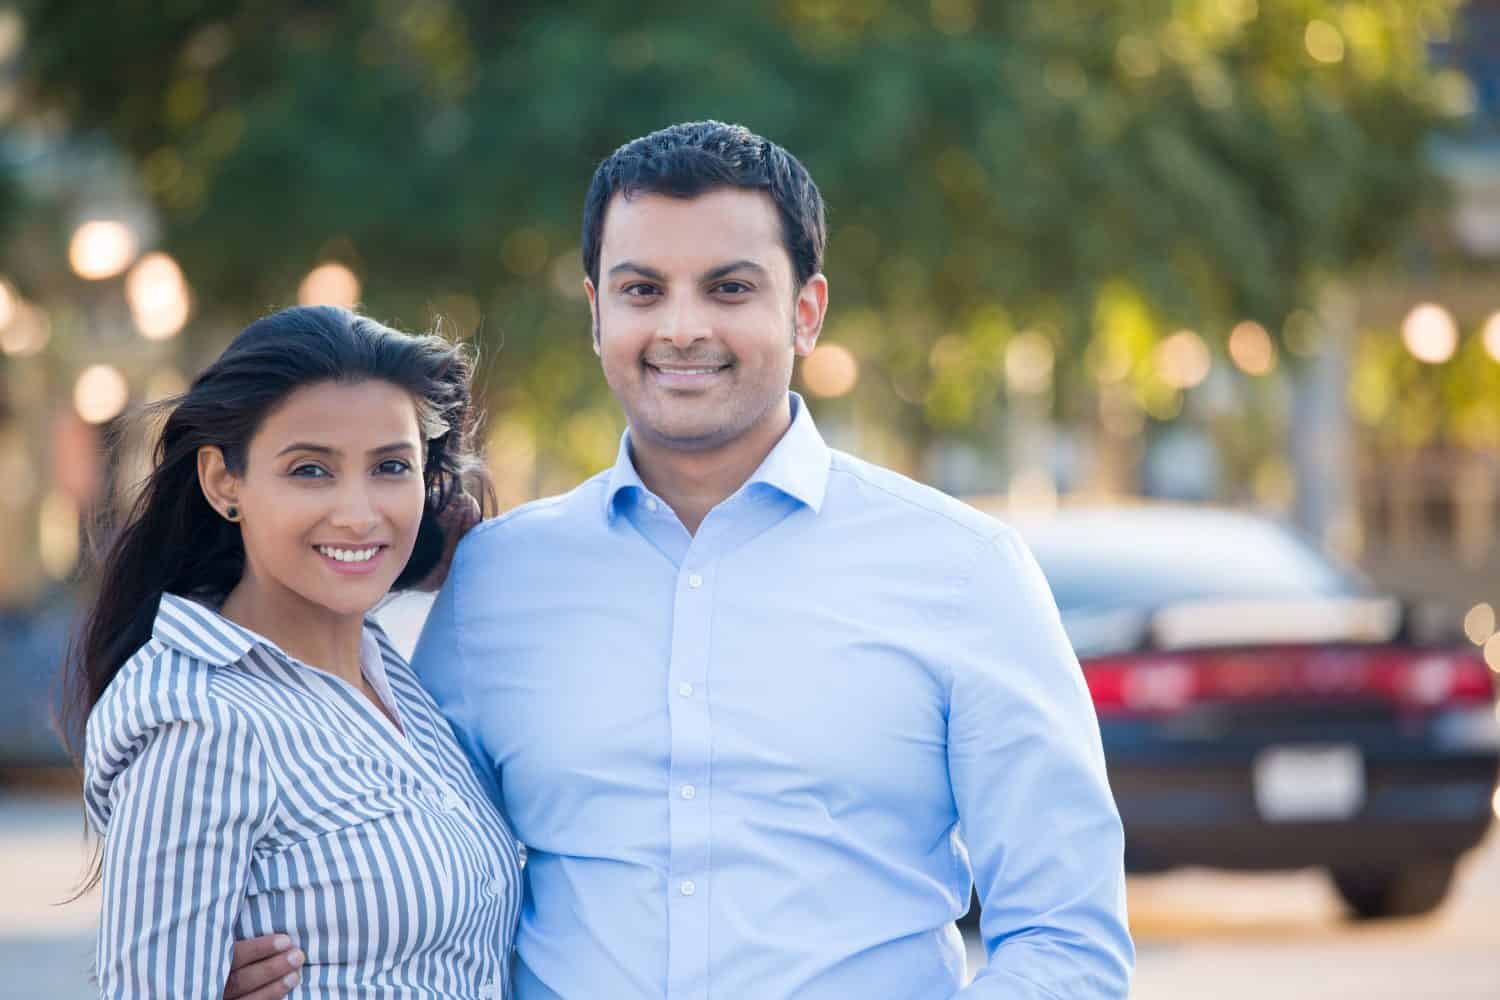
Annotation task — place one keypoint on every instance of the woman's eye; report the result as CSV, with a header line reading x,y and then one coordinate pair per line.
x,y
309,471
393,467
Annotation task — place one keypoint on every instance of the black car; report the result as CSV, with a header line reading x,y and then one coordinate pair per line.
x,y
1261,708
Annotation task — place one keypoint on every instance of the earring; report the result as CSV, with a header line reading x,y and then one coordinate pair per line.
x,y
233,513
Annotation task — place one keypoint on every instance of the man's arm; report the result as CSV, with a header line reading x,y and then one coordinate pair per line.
x,y
1034,804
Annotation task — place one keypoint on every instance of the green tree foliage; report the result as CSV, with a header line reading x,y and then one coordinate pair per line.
x,y
1099,171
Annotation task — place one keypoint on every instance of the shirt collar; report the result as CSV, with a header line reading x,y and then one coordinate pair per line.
x,y
201,632
796,466
198,630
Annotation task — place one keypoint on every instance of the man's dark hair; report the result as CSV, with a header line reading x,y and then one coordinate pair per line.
x,y
693,158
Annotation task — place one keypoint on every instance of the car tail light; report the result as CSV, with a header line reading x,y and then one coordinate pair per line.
x,y
1409,679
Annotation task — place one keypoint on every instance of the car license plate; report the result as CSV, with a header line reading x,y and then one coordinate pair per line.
x,y
1309,783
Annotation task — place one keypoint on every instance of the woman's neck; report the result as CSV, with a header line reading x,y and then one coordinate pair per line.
x,y
313,634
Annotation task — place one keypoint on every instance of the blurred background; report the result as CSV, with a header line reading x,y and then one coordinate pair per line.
x,y
1175,253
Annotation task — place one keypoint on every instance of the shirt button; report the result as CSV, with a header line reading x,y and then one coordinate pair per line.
x,y
488,991
651,504
688,888
689,792
695,581
685,689
497,887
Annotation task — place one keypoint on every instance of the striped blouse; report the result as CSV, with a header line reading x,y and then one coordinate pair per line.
x,y
240,792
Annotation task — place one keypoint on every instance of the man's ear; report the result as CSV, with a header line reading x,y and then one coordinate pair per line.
x,y
811,307
593,297
219,485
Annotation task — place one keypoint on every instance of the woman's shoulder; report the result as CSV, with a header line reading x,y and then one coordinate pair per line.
x,y
162,700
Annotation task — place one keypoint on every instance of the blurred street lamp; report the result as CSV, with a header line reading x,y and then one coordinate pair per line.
x,y
100,394
1183,360
1251,349
27,332
831,370
1430,333
158,297
329,284
1492,336
1479,624
101,249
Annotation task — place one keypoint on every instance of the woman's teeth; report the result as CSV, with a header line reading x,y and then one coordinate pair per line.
x,y
348,555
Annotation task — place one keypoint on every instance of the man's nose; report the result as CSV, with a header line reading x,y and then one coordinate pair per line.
x,y
685,323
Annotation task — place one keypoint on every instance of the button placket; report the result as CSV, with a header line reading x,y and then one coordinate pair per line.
x,y
688,786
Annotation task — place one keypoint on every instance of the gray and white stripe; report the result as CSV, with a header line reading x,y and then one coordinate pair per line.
x,y
240,792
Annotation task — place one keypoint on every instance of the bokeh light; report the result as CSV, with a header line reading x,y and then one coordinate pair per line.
x,y
831,370
1251,349
7,303
1430,333
1479,623
1492,653
1029,359
57,534
27,332
330,284
1324,42
1491,336
1182,360
100,394
101,248
158,297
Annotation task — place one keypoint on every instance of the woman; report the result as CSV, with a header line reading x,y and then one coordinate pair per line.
x,y
258,757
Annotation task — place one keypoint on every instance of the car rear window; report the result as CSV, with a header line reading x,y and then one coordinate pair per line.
x,y
1099,562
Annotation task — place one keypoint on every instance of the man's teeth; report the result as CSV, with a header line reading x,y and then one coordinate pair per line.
x,y
348,555
690,371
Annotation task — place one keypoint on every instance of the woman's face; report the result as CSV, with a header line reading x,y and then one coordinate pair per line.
x,y
332,494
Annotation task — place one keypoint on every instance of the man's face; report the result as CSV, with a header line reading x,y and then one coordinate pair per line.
x,y
697,316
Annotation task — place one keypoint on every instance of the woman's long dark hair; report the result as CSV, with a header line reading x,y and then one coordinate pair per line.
x,y
172,540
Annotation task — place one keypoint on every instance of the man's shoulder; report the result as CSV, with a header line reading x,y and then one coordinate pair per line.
x,y
538,519
925,507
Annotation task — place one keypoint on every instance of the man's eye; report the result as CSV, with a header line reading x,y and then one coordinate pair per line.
x,y
393,467
732,287
309,471
639,290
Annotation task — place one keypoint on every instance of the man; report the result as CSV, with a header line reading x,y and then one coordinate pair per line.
x,y
739,692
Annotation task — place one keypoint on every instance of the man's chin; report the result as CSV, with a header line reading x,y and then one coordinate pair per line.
x,y
685,435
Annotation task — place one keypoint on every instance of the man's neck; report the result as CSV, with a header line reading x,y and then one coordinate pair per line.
x,y
693,483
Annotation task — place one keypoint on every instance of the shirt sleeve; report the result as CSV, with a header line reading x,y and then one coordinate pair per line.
x,y
1034,804
189,795
438,662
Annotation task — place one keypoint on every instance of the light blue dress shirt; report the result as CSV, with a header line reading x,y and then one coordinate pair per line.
x,y
740,759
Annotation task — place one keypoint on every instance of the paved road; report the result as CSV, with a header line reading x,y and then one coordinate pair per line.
x,y
1200,935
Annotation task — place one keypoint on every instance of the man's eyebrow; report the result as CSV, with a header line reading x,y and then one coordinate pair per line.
x,y
738,265
634,268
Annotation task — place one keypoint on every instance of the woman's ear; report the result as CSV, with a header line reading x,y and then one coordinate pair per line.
x,y
220,486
